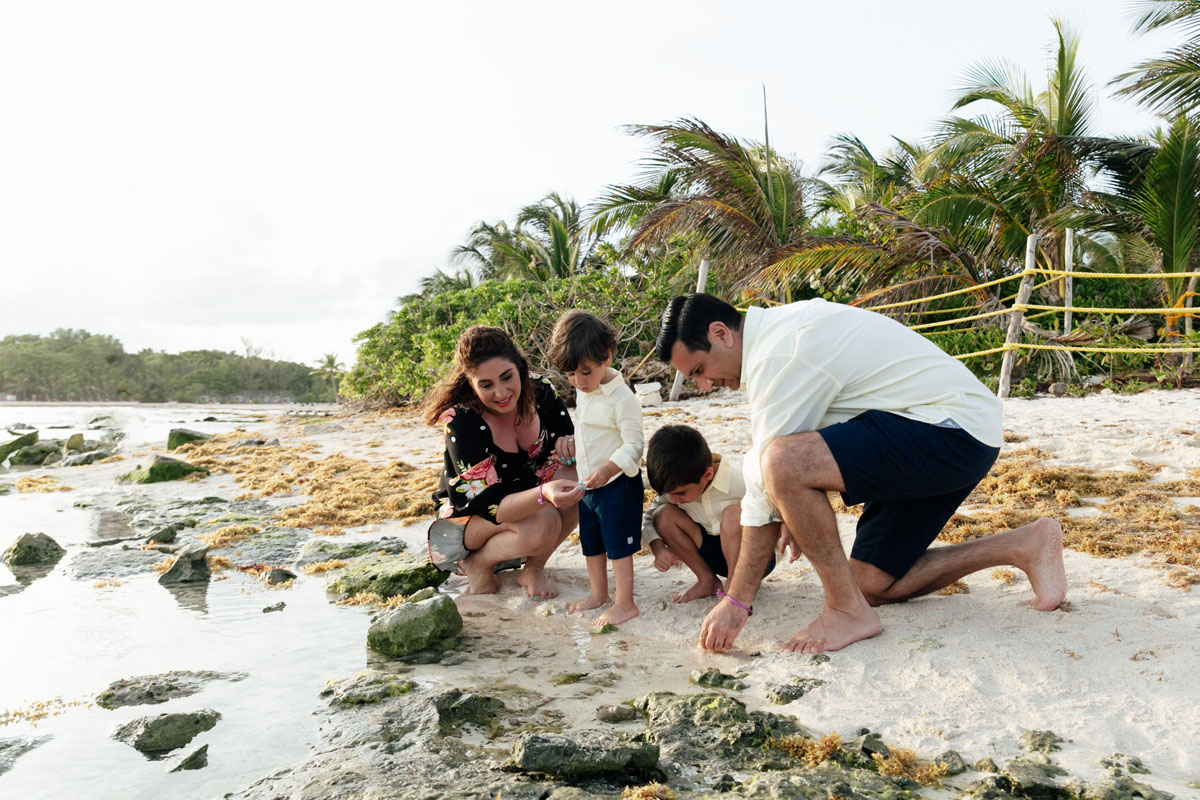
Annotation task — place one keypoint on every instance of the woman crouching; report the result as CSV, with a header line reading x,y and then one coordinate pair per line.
x,y
505,496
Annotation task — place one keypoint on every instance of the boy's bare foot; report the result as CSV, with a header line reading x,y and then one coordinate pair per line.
x,y
535,583
615,615
833,630
587,603
701,588
1044,566
480,579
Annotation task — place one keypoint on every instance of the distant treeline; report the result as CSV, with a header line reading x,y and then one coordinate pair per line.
x,y
77,365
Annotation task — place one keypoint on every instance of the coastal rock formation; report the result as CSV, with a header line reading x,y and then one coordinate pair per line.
x,y
409,628
713,678
166,732
11,444
162,469
578,757
197,760
387,576
33,550
153,689
74,443
782,694
179,436
83,459
365,688
191,565
325,549
43,453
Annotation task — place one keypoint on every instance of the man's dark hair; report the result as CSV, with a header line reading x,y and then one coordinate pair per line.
x,y
676,455
580,336
686,319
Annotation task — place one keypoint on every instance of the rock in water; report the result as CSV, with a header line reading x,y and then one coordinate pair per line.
x,y
12,444
577,757
713,678
152,689
197,760
33,549
74,443
388,576
163,469
179,436
12,749
191,565
412,627
166,732
83,459
367,687
279,575
42,453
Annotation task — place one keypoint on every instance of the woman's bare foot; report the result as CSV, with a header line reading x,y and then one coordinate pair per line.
x,y
615,615
480,579
833,630
587,603
1044,566
701,588
535,583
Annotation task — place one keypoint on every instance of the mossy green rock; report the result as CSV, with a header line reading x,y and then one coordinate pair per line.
x,y
179,436
33,549
34,455
366,688
430,624
696,727
12,444
713,678
166,732
457,709
575,757
388,576
74,443
163,469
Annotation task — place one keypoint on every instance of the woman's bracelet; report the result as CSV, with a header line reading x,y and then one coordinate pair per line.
x,y
541,494
748,609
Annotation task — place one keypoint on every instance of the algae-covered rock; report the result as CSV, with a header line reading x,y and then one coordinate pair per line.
x,y
952,761
782,694
365,688
162,469
695,728
74,443
387,576
153,689
84,459
38,454
33,550
179,436
325,549
713,678
578,757
1034,779
197,760
191,565
166,732
10,444
1119,763
457,709
1041,741
1121,787
412,627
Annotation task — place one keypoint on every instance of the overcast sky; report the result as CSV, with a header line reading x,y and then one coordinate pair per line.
x,y
186,175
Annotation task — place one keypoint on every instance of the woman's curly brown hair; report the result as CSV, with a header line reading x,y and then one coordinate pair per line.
x,y
477,345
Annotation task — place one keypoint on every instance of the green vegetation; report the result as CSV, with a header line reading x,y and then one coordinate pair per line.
x,y
77,365
1016,156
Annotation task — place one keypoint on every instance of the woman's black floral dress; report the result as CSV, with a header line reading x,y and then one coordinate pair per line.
x,y
477,474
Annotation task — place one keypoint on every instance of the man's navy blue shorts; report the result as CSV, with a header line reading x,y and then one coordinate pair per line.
x,y
610,518
911,477
710,550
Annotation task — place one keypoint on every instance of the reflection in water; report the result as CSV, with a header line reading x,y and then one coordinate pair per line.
x,y
112,525
26,575
190,596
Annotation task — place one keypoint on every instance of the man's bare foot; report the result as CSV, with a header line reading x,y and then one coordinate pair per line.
x,y
480,579
535,583
587,603
1044,566
701,588
615,615
833,630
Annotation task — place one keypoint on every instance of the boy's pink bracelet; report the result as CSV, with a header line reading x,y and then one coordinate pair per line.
x,y
748,609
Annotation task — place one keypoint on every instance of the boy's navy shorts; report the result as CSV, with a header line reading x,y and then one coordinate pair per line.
x,y
911,477
610,518
710,550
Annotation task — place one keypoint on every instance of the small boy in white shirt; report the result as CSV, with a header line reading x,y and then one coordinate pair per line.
x,y
697,512
608,448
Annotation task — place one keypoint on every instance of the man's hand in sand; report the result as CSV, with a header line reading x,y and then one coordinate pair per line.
x,y
564,449
664,559
721,626
562,494
788,542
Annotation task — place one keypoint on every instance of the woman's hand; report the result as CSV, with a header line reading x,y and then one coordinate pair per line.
x,y
564,449
562,494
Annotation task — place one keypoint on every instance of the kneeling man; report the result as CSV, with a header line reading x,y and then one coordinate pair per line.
x,y
847,400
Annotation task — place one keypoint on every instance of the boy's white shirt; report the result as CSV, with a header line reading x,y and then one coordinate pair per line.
x,y
812,364
608,427
724,490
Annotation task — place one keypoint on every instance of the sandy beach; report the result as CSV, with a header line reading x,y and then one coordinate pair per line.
x,y
1113,671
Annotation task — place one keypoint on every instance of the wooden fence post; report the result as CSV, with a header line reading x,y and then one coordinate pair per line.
x,y
1069,265
701,285
1016,317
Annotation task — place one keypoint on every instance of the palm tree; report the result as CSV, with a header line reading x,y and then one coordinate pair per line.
x,y
329,368
1169,84
742,205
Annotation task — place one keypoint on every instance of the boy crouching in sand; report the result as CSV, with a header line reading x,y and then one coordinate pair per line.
x,y
608,447
697,512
